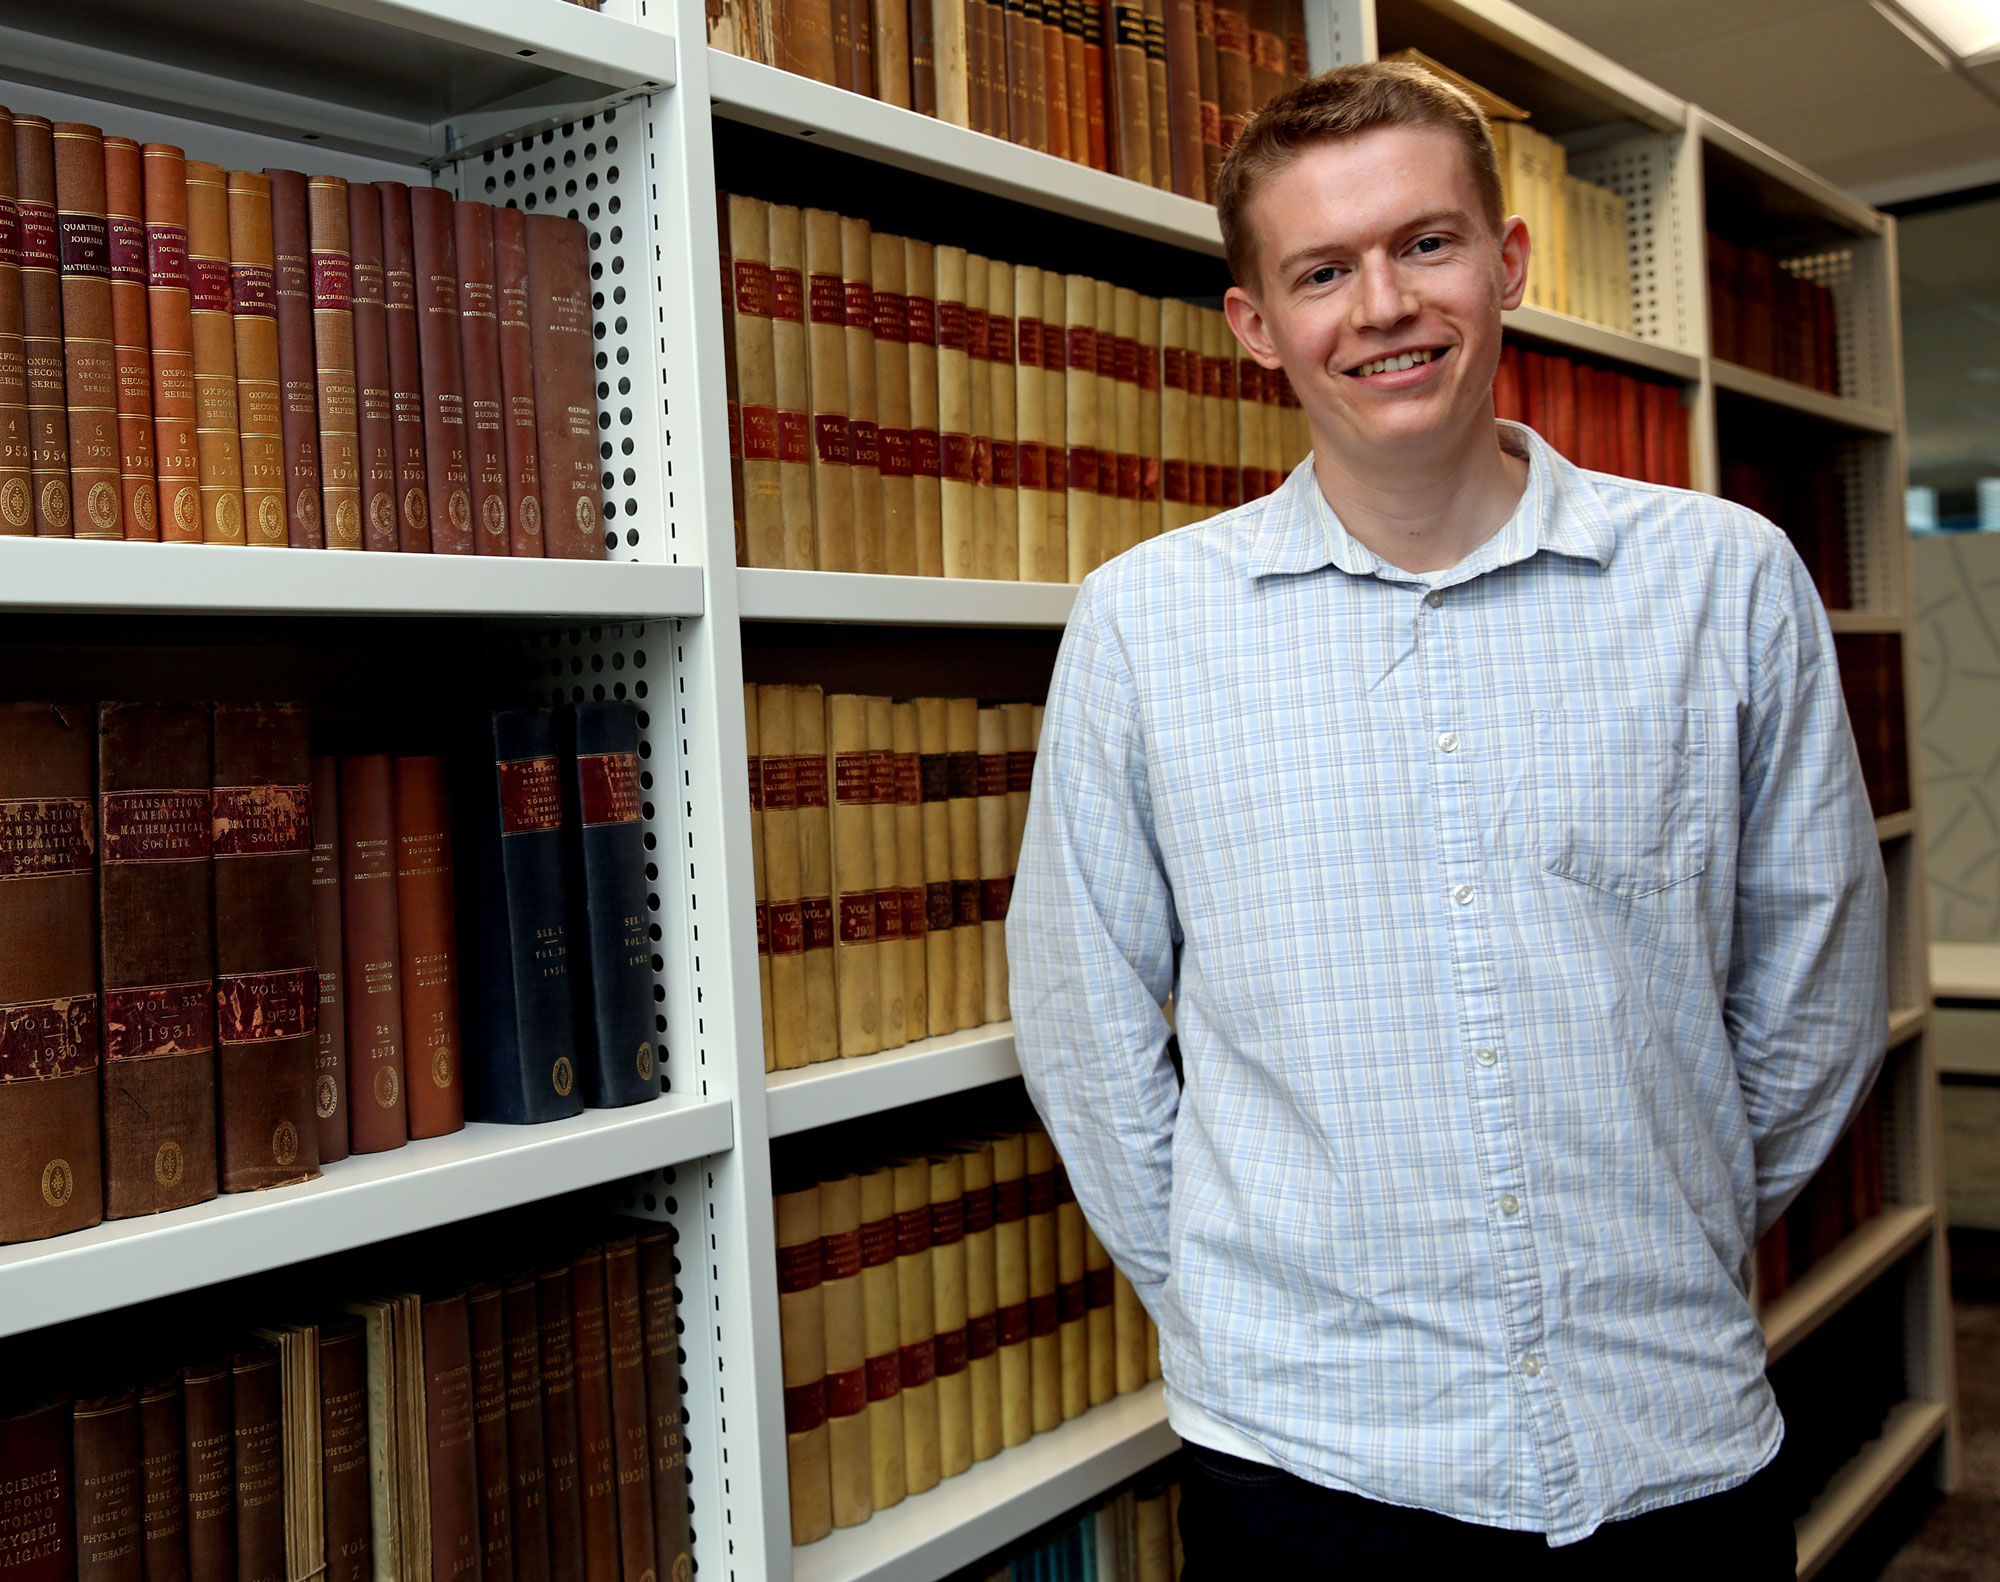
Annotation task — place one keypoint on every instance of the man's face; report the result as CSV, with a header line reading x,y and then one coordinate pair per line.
x,y
1380,287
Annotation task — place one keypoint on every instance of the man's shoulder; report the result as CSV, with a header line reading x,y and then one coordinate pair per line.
x,y
1660,513
1215,544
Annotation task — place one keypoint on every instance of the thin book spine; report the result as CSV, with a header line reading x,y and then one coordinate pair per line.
x,y
163,1481
916,1306
527,1451
1031,536
802,1352
596,1442
792,389
217,434
427,946
406,390
479,340
333,360
949,1295
659,1322
447,461
17,517
816,905
1005,538
889,957
1055,421
563,1484
125,218
486,1326
856,271
962,774
104,1451
372,950
881,1337
954,394
851,789
909,876
176,444
517,383
982,1335
42,324
90,361
375,410
920,327
298,380
330,1057
833,488
254,312
749,307
891,331
778,796
979,378
573,508
940,950
625,1333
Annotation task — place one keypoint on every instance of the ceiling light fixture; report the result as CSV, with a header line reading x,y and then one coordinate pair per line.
x,y
1959,32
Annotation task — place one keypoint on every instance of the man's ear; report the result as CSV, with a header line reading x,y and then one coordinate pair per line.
x,y
1247,320
1514,250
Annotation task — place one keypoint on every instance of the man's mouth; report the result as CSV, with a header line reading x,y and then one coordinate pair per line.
x,y
1396,363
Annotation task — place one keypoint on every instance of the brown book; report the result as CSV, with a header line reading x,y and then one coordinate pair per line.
x,y
861,46
517,383
527,1455
176,445
17,517
156,948
333,360
806,39
1087,16
659,1317
896,28
1235,97
479,346
330,1060
1177,94
266,982
451,1457
372,953
921,21
631,1435
486,1324
429,945
1211,112
257,1416
343,1439
1267,50
1069,15
559,1423
447,459
406,389
210,1421
596,1440
125,233
298,380
104,1456
90,361
217,433
565,387
1298,56
38,1543
41,324
375,408
1023,40
163,1481
254,310
49,1173
1054,79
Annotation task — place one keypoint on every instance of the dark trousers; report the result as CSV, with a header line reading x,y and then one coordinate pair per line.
x,y
1241,1521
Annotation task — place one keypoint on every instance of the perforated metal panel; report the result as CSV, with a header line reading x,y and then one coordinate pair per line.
x,y
1645,172
1854,273
1872,490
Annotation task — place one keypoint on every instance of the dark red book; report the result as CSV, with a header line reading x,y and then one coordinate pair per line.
x,y
564,1482
330,1054
487,1327
298,381
428,942
450,1451
257,1407
479,345
446,457
38,1542
517,385
565,387
596,1441
163,1481
372,954
527,1452
406,390
343,1448
374,400
631,1433
210,1421
104,1449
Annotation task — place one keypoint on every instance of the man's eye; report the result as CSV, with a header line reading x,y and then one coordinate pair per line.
x,y
1324,275
1429,244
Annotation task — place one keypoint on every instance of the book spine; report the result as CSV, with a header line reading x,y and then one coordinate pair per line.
x,y
559,1423
923,86
1126,90
447,460
17,518
266,982
948,1304
257,1411
156,944
954,394
851,788
792,375
895,27
1072,1302
1179,113
217,431
1266,21
1022,37
254,314
40,1545
479,341
916,1313
749,305
632,1436
1005,539
427,945
1055,421
881,1325
1176,411
42,325
406,388
952,64
658,1311
962,772
784,881
163,1481
1100,1343
1110,509
330,248
1234,95
760,876
90,358
1080,415
1092,19
845,1336
298,380
375,407
372,952
909,824
982,1335
565,387
176,447
1054,65
451,1454
809,40
1159,110
1076,67
890,333
816,906
1044,1312
1207,69
1031,404
940,950
527,1451
330,1059
596,1446
125,222
104,1456
865,475
343,1436
861,45
833,489
1128,1324
889,957
517,383
995,858
979,377
211,1472
802,1348
920,329
1010,1289
733,407
485,1321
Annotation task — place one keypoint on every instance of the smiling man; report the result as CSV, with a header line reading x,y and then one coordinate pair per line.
x,y
1496,830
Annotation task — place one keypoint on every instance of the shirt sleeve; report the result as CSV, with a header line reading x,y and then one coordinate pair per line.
x,y
1091,942
1807,998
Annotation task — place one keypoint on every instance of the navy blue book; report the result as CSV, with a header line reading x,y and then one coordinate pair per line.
x,y
522,1066
610,923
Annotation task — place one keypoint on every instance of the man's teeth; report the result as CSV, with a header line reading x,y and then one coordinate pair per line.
x,y
1383,365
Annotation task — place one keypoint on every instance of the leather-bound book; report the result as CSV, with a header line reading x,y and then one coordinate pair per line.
x,y
104,1452
982,1334
156,948
1234,96
447,458
90,360
907,764
596,1442
298,380
1125,90
1053,79
406,388
1211,109
1031,519
266,977
217,431
176,449
565,387
980,431
1010,1289
427,939
523,1066
527,1454
1267,50
451,1456
517,382
163,1481
816,908
1069,15
805,39
783,875
881,1337
631,1434
1021,37
1100,1344
852,791
916,1308
793,385
38,1543
1055,420
343,1437
756,379
486,1324
330,1057
257,1417
846,1338
920,22
479,345
891,334
1180,111
50,1180
962,806
1072,1336
889,957
920,298
948,1301
254,311
562,1455
375,407
372,954
658,1314
125,234
42,325
940,950
833,488
955,396
17,517
802,1348
333,360
617,1044
1090,19
210,1420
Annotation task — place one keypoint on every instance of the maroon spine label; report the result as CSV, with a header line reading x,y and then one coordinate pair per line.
x,y
1021,770
1033,463
866,451
897,459
921,322
888,914
853,778
818,915
756,784
992,774
805,1407
994,894
999,337
163,1019
840,1255
909,780
982,458
127,238
1005,457
156,826
1013,1324
1128,477
333,282
935,776
885,1376
1083,469
937,906
253,291
788,296
1044,1315
260,821
85,245
1107,356
788,928
831,439
607,788
753,288
913,1231
1083,348
975,334
926,453
948,1222
982,1335
951,326
1098,1288
1175,373
1070,1302
1010,1201
809,775
919,1364
892,316
1041,1192
798,1267
913,913
951,1352
957,461
41,837
825,300
760,433
857,918
1177,482
208,281
530,795
882,776
794,437
763,928
1125,359
1148,359
847,1393
965,903
41,1039
264,1007
10,232
1028,342
978,1210
860,306
781,786
39,249
878,1242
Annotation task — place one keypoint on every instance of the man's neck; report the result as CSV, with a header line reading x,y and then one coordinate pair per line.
x,y
1426,514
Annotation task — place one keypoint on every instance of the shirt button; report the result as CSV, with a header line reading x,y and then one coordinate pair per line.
x,y
1531,1366
1463,895
1434,598
1510,1204
1486,1057
1448,742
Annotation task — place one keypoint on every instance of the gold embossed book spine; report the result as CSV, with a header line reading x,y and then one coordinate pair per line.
x,y
169,316
125,229
41,324
90,361
17,517
254,308
216,429
375,415
298,381
406,390
565,387
372,950
479,345
333,360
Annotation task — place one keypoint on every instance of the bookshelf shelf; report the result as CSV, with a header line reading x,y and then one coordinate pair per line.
x,y
1893,826
843,1090
1846,1502
80,576
1779,187
932,1534
1846,621
1965,971
1907,1024
855,598
361,1199
1798,398
1595,340
1834,1281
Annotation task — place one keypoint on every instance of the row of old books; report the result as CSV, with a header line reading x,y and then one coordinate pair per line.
x,y
1764,315
935,1309
901,407
524,1428
1153,90
884,837
1599,418
225,962
1846,1194
200,355
1132,1535
1871,681
1797,484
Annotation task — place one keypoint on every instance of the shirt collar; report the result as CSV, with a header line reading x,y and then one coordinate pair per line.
x,y
1560,511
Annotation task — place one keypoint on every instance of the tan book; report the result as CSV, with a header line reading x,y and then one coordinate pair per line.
x,y
1173,427
916,1305
216,427
802,1347
90,357
1031,513
816,873
1125,397
949,1299
1128,1333
1072,1331
783,882
1081,420
176,452
125,214
905,739
333,359
1153,1543
1044,1313
892,52
857,272
962,769
1109,540
950,60
1152,1349
1221,342
1126,94
982,1334
1055,80
996,865
955,415
832,434
1152,518
760,878
851,1477
1003,374
1100,1335
882,1325
850,790
940,912
756,380
892,403
978,276
926,501
889,957
1010,1288
1019,720
1055,443
789,360
254,305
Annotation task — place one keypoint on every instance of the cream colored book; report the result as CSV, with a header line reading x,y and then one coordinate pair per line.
x,y
969,957
996,868
1174,409
948,1302
1100,1339
1072,1334
955,431
903,729
1080,422
981,1301
916,1301
802,1350
889,957
950,60
857,270
782,878
1044,1325
756,380
759,877
1105,320
1249,422
1020,718
1002,377
1031,547
940,913
926,502
1125,400
1128,1324
1010,1288
829,416
815,837
791,361
849,1476
1055,379
892,404
1154,1559
851,791
979,373
1152,501
882,1324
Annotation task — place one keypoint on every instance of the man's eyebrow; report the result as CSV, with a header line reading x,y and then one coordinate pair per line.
x,y
1435,218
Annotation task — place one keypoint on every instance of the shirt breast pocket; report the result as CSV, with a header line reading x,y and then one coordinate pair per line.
x,y
1622,797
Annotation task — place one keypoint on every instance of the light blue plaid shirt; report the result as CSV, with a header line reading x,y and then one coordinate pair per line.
x,y
1524,927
